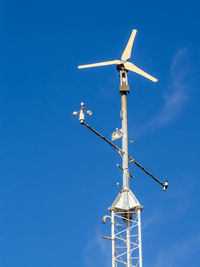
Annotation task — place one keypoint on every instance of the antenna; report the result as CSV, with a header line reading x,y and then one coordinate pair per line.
x,y
126,210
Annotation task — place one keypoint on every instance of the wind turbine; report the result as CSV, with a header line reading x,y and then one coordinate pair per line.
x,y
126,209
123,63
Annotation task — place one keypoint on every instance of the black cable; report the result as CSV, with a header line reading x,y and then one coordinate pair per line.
x,y
130,158
100,135
141,167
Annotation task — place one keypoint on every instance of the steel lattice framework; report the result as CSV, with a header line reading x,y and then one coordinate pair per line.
x,y
126,239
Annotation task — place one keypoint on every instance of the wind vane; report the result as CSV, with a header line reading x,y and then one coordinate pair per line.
x,y
125,211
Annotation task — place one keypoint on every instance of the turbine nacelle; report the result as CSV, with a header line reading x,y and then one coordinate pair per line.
x,y
121,67
123,61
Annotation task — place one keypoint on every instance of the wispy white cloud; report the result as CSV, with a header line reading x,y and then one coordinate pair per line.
x,y
97,250
176,94
178,254
151,220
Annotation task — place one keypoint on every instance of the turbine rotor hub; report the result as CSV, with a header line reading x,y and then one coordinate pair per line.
x,y
121,67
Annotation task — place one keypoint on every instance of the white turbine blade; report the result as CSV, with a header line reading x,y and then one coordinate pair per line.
x,y
127,51
100,64
132,67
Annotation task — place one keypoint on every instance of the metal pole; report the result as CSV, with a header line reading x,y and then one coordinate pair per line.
x,y
113,237
128,245
125,159
124,118
139,237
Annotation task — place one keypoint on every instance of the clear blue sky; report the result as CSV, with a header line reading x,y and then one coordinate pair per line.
x,y
56,178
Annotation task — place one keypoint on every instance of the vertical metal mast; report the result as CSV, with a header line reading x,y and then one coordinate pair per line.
x,y
124,88
125,210
124,116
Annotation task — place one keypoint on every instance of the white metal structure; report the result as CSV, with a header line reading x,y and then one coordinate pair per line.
x,y
126,239
126,210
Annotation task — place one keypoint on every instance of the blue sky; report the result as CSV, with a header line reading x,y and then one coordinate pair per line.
x,y
57,179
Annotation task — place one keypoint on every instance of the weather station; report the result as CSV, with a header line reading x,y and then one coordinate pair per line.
x,y
125,211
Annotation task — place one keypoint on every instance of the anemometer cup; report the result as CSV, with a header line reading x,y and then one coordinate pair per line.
x,y
165,185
